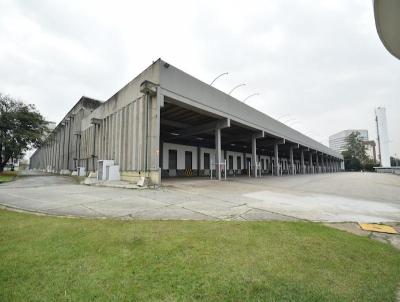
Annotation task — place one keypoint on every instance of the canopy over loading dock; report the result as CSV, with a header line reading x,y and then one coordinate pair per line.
x,y
167,123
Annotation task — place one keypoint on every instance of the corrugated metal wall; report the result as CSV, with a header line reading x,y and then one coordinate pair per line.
x,y
120,136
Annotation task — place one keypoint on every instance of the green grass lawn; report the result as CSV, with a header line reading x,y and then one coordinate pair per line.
x,y
63,259
7,176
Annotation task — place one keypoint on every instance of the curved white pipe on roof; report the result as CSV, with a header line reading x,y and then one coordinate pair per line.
x,y
387,21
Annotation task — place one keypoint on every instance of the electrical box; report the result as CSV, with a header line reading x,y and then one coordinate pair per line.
x,y
102,168
112,173
106,170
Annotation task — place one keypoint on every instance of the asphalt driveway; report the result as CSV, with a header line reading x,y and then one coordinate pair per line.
x,y
338,197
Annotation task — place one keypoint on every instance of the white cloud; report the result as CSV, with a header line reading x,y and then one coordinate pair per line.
x,y
319,61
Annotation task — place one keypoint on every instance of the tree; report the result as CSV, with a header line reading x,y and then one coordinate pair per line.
x,y
21,127
355,155
394,161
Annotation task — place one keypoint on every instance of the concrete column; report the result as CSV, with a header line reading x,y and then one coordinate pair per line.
x,y
154,135
311,163
69,142
59,150
218,152
302,162
64,146
276,156
161,161
254,155
79,149
291,160
198,159
322,163
327,163
94,148
316,163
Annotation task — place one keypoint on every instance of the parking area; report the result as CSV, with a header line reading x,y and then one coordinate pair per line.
x,y
336,197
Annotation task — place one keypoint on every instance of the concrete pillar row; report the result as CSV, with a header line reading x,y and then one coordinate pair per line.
x,y
254,155
322,164
303,168
218,152
327,164
292,168
276,156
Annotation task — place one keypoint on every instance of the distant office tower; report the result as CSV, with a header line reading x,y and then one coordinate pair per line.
x,y
338,142
383,138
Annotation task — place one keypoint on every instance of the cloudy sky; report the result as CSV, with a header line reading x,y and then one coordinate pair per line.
x,y
320,64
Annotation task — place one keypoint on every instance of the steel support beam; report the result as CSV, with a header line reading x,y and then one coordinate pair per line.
x,y
218,152
276,156
254,152
218,160
292,168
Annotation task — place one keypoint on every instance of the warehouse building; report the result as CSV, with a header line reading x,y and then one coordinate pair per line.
x,y
166,123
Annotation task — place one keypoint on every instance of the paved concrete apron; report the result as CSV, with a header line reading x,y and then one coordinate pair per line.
x,y
365,197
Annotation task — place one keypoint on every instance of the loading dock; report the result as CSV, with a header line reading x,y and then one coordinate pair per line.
x,y
166,123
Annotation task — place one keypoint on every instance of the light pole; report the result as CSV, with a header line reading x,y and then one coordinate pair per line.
x,y
222,74
251,95
236,87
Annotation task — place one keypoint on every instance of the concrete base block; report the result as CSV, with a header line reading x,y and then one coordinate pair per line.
x,y
92,175
153,177
74,173
65,172
141,181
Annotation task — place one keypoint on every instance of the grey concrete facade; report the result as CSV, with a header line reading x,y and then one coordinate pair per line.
x,y
165,105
